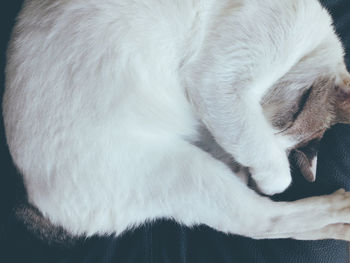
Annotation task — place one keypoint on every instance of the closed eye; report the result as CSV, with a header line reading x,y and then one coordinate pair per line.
x,y
302,102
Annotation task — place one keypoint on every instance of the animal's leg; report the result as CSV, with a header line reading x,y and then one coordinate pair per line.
x,y
324,217
198,189
236,131
179,181
336,231
235,118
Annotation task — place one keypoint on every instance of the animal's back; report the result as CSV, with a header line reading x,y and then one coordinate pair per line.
x,y
93,89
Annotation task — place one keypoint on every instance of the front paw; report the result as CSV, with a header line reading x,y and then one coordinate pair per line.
x,y
272,181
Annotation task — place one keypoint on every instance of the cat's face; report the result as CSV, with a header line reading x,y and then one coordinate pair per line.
x,y
316,96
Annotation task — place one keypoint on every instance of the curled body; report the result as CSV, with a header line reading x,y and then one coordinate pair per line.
x,y
106,103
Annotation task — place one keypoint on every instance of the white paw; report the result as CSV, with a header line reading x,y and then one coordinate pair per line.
x,y
269,167
271,184
339,202
274,178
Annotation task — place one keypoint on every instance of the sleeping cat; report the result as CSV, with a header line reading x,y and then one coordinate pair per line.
x,y
119,112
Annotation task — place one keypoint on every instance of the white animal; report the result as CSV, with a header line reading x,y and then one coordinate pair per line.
x,y
106,101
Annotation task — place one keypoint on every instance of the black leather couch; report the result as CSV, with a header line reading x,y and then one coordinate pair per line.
x,y
165,241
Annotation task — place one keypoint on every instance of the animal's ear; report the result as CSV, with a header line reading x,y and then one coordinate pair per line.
x,y
306,165
342,99
305,159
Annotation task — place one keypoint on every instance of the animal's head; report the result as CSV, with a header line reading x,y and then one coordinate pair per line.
x,y
313,96
323,105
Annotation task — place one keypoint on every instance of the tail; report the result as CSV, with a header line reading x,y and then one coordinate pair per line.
x,y
42,228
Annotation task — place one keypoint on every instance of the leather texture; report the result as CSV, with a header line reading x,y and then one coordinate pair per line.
x,y
167,242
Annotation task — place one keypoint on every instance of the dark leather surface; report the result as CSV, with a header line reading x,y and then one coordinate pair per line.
x,y
166,241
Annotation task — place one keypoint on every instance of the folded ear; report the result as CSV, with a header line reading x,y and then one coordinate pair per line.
x,y
305,159
305,165
342,99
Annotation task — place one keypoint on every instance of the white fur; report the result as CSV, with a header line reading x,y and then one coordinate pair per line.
x,y
104,99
